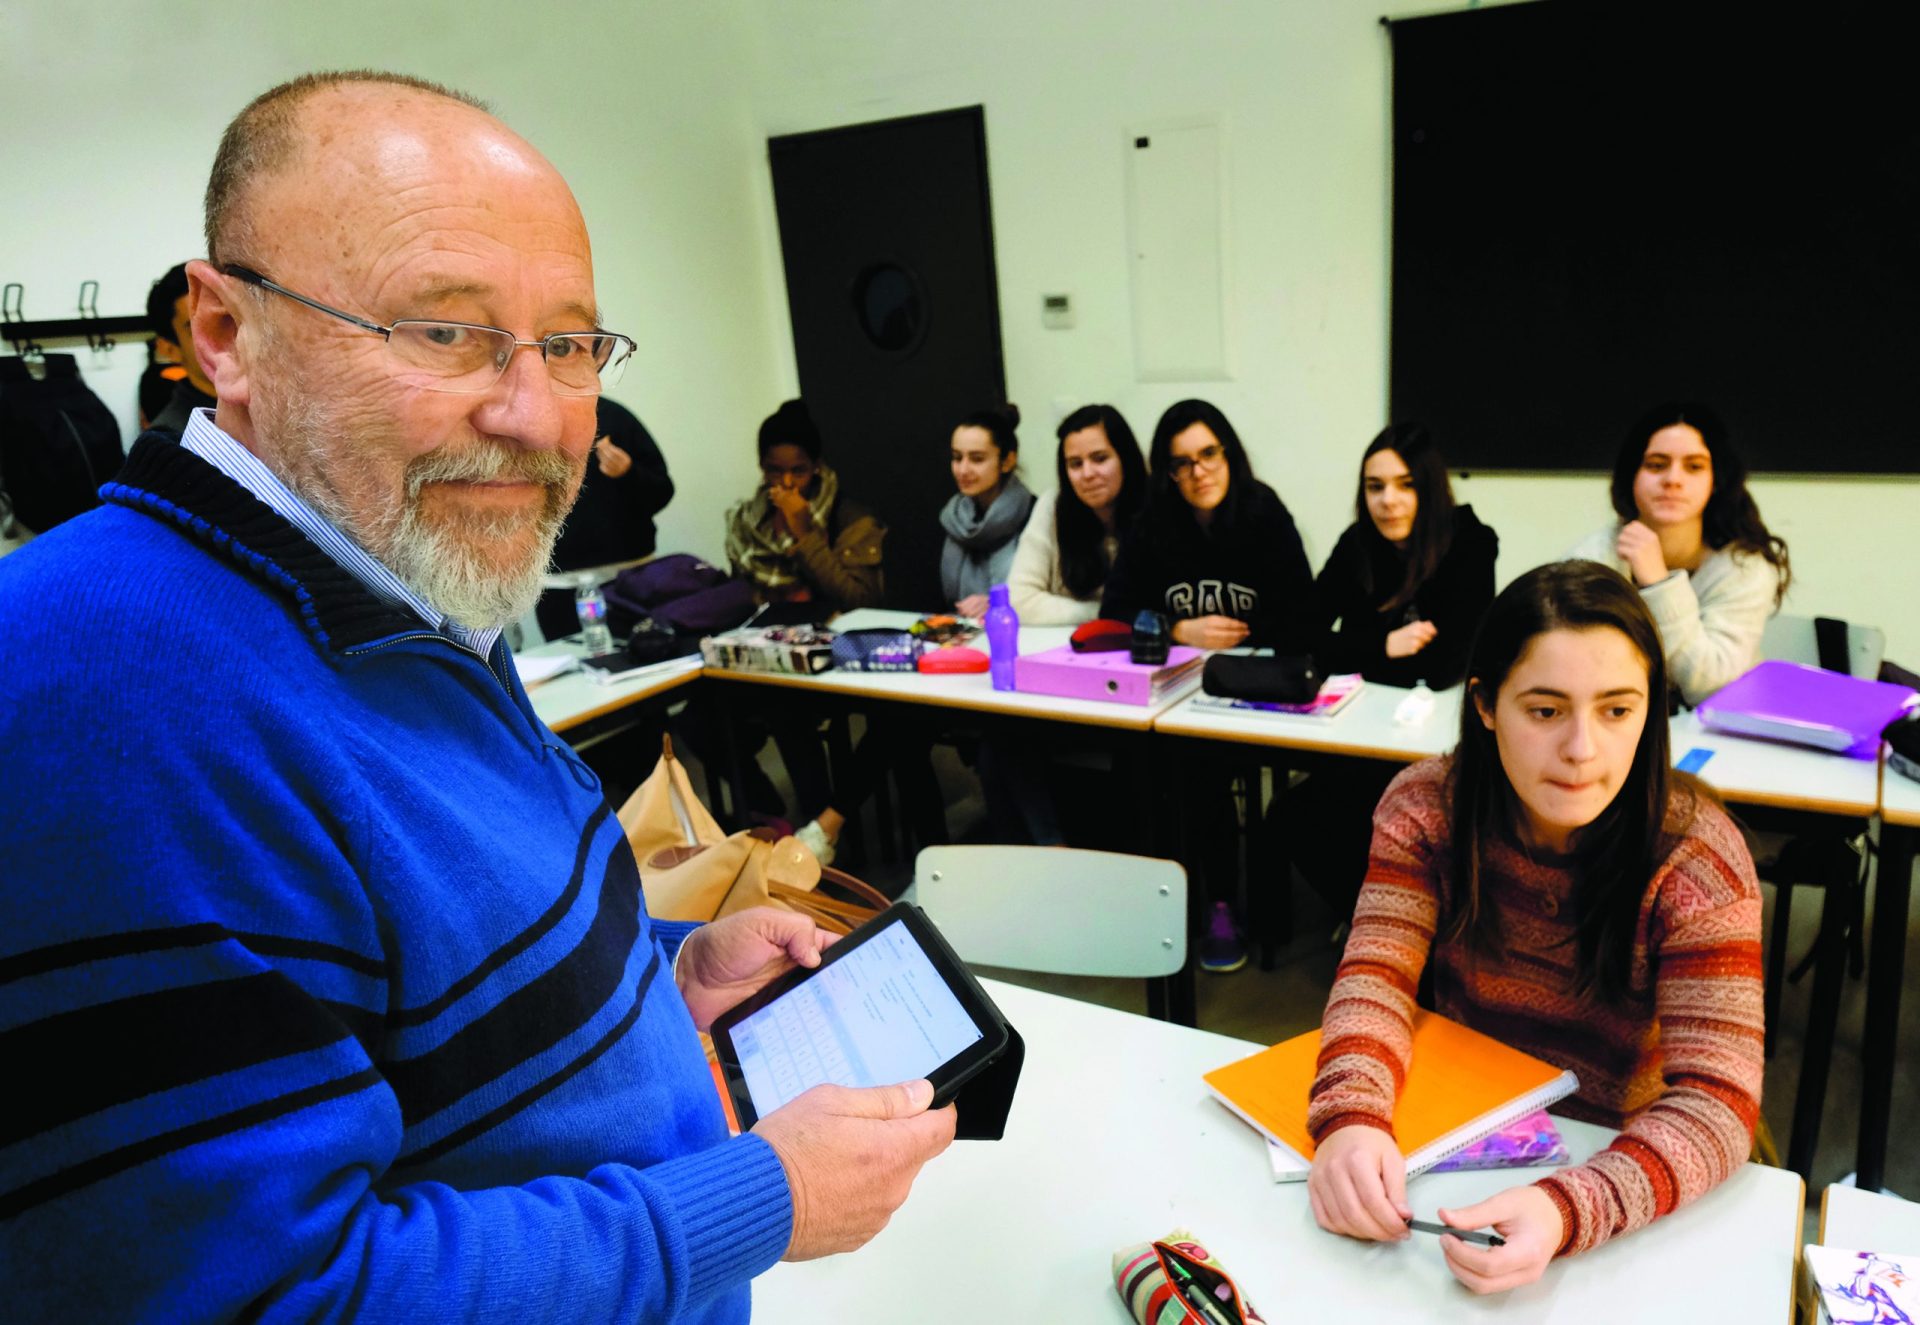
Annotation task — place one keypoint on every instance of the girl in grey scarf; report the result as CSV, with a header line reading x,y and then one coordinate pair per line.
x,y
984,520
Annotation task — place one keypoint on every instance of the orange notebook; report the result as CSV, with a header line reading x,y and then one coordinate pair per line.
x,y
1462,1086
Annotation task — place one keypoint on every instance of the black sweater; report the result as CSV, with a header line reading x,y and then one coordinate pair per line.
x,y
613,520
1251,568
1454,598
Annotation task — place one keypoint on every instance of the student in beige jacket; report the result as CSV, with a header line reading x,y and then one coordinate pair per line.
x,y
1692,540
1074,532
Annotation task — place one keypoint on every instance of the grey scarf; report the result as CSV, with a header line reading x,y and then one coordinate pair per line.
x,y
980,545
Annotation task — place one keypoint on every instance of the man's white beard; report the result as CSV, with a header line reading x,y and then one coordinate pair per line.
x,y
433,560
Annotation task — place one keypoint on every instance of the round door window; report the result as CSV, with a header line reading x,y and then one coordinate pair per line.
x,y
891,309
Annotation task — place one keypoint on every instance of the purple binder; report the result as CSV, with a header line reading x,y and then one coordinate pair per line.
x,y
1783,701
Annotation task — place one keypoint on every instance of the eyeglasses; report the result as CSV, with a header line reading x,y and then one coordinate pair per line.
x,y
1209,456
466,358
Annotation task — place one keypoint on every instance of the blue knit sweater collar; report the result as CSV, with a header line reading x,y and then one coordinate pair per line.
x,y
163,480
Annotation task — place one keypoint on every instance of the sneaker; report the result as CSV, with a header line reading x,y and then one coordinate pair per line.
x,y
814,838
1221,948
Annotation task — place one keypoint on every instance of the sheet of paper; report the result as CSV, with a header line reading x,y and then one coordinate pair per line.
x,y
535,670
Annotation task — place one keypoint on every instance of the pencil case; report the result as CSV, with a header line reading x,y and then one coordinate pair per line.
x,y
1177,1281
876,650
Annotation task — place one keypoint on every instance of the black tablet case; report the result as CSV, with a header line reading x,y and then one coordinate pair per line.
x,y
984,1102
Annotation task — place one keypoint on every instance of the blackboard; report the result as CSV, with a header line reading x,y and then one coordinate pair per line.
x,y
1598,207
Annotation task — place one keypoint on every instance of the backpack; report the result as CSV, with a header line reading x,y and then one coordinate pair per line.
x,y
58,442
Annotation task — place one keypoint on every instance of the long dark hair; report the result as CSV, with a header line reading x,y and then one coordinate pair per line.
x,y
1432,518
1615,855
1166,504
1732,516
1081,537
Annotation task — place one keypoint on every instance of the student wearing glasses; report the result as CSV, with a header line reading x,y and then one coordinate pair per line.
x,y
1218,554
1569,893
1216,549
1691,539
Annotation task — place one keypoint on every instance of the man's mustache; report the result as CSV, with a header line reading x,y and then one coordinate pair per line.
x,y
487,462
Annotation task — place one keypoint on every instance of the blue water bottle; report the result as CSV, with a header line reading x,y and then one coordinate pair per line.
x,y
1003,636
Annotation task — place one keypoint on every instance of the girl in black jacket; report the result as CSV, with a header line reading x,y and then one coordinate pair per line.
x,y
1409,580
1216,550
1407,584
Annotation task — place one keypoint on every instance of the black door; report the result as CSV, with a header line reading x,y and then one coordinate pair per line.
x,y
887,236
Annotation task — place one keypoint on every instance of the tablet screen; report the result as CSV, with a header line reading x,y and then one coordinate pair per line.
x,y
879,1015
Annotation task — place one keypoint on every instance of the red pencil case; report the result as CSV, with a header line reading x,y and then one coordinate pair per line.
x,y
953,658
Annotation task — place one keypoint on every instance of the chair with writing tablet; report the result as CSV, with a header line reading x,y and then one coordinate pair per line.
x,y
1060,910
1819,858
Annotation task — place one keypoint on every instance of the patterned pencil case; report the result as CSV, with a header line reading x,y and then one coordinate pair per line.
x,y
876,650
1177,1281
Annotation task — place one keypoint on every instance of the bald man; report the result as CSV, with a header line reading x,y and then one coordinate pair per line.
x,y
326,985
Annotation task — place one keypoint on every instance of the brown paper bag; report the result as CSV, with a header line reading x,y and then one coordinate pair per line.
x,y
691,870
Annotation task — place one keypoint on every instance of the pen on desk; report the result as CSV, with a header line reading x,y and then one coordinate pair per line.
x,y
1478,1239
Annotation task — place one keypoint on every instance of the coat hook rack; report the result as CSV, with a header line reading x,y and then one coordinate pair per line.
x,y
29,336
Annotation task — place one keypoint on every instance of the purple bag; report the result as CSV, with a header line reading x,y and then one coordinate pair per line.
x,y
679,592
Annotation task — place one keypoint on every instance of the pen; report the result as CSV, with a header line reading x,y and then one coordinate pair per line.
x,y
1195,1296
1464,1234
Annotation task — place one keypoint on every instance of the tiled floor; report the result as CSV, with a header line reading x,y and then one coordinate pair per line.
x,y
1267,1006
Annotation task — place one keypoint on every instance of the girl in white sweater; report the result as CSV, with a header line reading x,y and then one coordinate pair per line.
x,y
1691,538
1071,538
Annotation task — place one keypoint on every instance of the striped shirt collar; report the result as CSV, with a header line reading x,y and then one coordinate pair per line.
x,y
205,439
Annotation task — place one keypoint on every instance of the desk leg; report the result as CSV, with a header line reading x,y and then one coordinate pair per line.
x,y
1163,829
1885,969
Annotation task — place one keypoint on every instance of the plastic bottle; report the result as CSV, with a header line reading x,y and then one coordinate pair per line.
x,y
1416,708
1003,636
591,605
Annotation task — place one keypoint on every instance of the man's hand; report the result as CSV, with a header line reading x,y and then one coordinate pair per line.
x,y
974,605
1530,1222
1410,639
1639,547
613,461
1210,632
1358,1185
793,508
851,1156
723,962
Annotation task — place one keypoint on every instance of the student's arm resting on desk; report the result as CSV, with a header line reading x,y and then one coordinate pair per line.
x,y
1703,939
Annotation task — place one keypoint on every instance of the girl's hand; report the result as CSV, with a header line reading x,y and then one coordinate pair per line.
x,y
1410,639
1358,1185
1526,1217
973,605
1639,547
1210,632
613,461
792,505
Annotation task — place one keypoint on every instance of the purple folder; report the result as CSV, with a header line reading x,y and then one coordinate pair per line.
x,y
1783,701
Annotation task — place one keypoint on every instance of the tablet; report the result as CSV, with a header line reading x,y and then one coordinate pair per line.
x,y
888,1003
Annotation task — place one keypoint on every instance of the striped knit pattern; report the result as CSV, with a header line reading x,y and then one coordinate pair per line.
x,y
1677,1066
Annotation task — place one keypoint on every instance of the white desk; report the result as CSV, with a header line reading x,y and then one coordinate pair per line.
x,y
1364,729
973,691
1868,1221
574,698
1750,772
1113,1141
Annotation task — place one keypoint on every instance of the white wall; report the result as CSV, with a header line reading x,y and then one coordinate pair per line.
x,y
658,114
1304,88
113,109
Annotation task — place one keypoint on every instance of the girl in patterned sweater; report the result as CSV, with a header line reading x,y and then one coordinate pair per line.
x,y
1571,895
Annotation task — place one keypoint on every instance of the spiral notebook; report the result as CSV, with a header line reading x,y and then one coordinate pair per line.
x,y
1462,1086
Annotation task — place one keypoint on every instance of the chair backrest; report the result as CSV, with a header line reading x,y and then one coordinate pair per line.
x,y
1057,909
1796,639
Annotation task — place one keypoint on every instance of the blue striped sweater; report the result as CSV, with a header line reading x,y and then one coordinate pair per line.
x,y
326,985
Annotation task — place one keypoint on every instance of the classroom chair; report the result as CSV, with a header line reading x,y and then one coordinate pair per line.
x,y
1061,910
